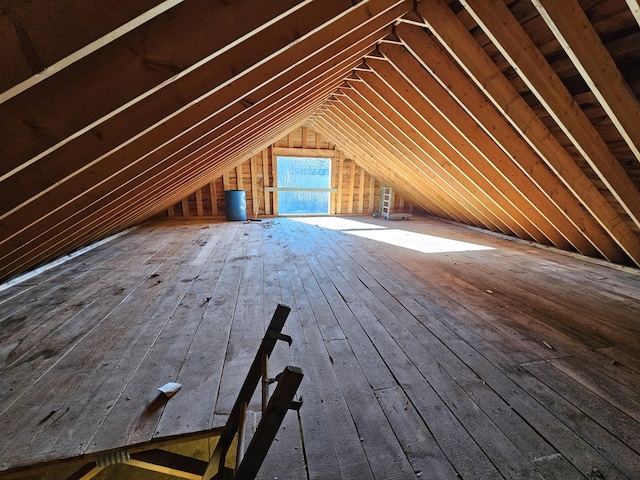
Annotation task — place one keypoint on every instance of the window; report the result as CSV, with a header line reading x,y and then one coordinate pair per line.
x,y
304,185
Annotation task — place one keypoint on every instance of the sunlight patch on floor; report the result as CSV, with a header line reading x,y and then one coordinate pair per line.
x,y
419,242
336,223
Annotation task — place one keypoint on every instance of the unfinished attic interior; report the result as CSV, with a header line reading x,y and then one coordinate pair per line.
x,y
459,300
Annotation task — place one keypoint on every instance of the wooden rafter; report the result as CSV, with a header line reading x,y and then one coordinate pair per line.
x,y
581,42
455,83
367,136
337,41
480,154
634,6
451,156
459,43
510,38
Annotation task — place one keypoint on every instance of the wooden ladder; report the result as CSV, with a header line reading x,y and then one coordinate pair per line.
x,y
385,202
274,409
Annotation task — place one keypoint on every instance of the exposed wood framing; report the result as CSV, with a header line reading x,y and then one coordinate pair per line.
x,y
527,118
351,184
489,79
578,37
520,158
512,41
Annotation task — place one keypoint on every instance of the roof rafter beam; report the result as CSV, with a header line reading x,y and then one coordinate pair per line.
x,y
509,37
410,166
87,49
327,44
482,158
452,150
391,114
572,28
425,48
121,198
457,40
634,6
365,150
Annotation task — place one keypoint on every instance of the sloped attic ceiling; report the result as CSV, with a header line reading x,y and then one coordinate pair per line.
x,y
520,117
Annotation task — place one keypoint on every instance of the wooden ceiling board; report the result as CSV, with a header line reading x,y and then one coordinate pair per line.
x,y
36,35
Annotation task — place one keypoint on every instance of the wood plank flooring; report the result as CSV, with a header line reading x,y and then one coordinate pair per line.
x,y
506,362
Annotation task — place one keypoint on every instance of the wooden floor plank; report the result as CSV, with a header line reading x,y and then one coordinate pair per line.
x,y
424,453
201,370
134,415
466,455
72,370
384,453
343,432
508,363
592,405
247,328
320,455
564,435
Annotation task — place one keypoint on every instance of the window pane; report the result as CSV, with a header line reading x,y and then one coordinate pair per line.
x,y
303,173
292,203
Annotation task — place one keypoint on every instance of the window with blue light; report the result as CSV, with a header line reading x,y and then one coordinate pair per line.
x,y
304,186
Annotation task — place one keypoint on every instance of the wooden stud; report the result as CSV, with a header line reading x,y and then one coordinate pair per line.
x,y
239,179
360,195
352,186
214,198
340,173
372,187
255,195
199,210
265,180
274,170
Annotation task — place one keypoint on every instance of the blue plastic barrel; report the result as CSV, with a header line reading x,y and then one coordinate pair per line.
x,y
235,205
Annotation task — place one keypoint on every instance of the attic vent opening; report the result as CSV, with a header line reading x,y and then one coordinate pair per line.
x,y
303,185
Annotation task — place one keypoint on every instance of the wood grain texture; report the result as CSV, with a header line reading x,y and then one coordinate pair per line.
x,y
476,363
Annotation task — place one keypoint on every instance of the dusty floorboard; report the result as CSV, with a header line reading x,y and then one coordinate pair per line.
x,y
502,362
